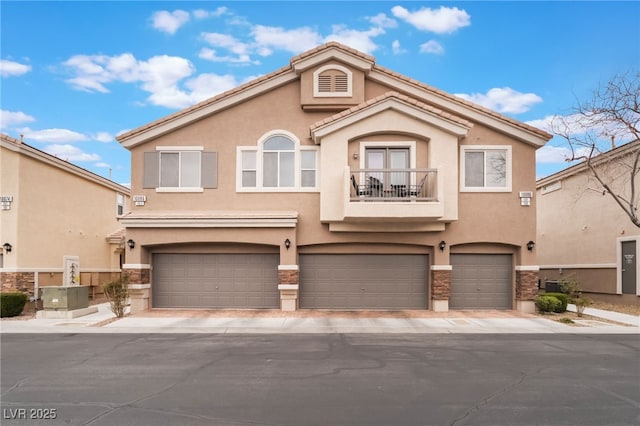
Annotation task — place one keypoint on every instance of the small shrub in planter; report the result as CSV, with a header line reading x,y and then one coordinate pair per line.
x,y
581,302
117,292
547,303
563,298
12,303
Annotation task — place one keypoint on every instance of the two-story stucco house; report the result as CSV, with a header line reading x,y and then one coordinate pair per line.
x,y
54,214
333,183
584,235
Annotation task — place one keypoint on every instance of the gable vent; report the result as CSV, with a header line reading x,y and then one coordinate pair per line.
x,y
341,83
324,83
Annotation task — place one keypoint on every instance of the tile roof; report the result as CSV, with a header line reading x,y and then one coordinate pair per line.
x,y
390,95
329,45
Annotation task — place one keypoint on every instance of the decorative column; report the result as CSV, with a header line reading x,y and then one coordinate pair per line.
x,y
526,288
139,285
440,287
288,284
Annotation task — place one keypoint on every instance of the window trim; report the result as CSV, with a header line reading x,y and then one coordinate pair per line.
x,y
120,196
318,94
411,145
258,149
178,149
509,182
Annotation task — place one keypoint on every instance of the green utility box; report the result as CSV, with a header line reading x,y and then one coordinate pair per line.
x,y
60,298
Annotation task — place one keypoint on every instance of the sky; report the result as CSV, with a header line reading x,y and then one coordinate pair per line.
x,y
76,74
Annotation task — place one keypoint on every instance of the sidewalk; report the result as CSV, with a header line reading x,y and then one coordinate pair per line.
x,y
104,321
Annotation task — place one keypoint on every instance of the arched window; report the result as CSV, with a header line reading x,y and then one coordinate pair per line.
x,y
277,163
332,80
278,159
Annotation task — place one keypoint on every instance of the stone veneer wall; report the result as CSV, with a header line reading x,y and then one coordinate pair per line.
x,y
138,276
288,277
18,281
526,285
440,285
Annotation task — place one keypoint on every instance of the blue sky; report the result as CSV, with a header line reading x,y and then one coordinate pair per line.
x,y
76,74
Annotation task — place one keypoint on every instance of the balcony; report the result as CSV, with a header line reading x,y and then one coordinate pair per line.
x,y
388,200
394,185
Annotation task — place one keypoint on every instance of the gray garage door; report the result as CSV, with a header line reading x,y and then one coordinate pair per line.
x,y
481,281
215,281
363,281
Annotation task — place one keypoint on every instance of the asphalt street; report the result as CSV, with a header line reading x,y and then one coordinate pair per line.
x,y
316,379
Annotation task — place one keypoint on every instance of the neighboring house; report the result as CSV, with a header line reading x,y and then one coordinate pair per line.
x,y
56,217
583,234
333,183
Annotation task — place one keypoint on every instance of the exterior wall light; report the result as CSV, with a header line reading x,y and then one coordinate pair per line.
x,y
442,245
287,243
131,244
7,247
530,245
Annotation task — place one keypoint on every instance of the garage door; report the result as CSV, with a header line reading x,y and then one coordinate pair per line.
x,y
215,281
481,281
363,281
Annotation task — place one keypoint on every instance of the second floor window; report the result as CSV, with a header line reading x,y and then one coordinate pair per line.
x,y
277,163
180,169
486,169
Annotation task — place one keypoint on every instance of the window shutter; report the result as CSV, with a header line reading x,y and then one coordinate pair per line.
x,y
209,169
150,177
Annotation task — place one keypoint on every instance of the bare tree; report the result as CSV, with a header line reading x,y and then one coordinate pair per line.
x,y
611,115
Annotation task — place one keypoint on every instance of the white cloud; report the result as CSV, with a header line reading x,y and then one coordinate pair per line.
x,y
552,154
504,100
207,85
444,20
432,46
160,75
11,68
360,40
12,118
382,21
70,153
397,48
295,41
169,22
102,137
203,14
53,135
102,165
239,49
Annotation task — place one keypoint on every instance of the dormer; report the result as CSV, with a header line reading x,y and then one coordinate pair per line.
x,y
332,78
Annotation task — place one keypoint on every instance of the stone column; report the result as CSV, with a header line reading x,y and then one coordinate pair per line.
x,y
440,287
139,286
526,288
288,284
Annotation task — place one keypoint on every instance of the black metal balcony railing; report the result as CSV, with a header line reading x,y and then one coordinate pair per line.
x,y
394,185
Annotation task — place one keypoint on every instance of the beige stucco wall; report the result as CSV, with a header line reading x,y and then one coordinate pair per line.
x,y
580,230
471,217
578,225
56,213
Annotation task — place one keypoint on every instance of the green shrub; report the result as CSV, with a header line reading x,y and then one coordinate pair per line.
x,y
547,303
117,292
563,298
12,303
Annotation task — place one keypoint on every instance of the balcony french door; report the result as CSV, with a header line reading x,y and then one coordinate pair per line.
x,y
395,162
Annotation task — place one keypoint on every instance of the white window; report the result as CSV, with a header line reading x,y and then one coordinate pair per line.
x,y
277,163
485,169
332,81
180,169
119,204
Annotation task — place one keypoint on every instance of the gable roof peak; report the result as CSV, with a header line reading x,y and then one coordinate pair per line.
x,y
329,51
